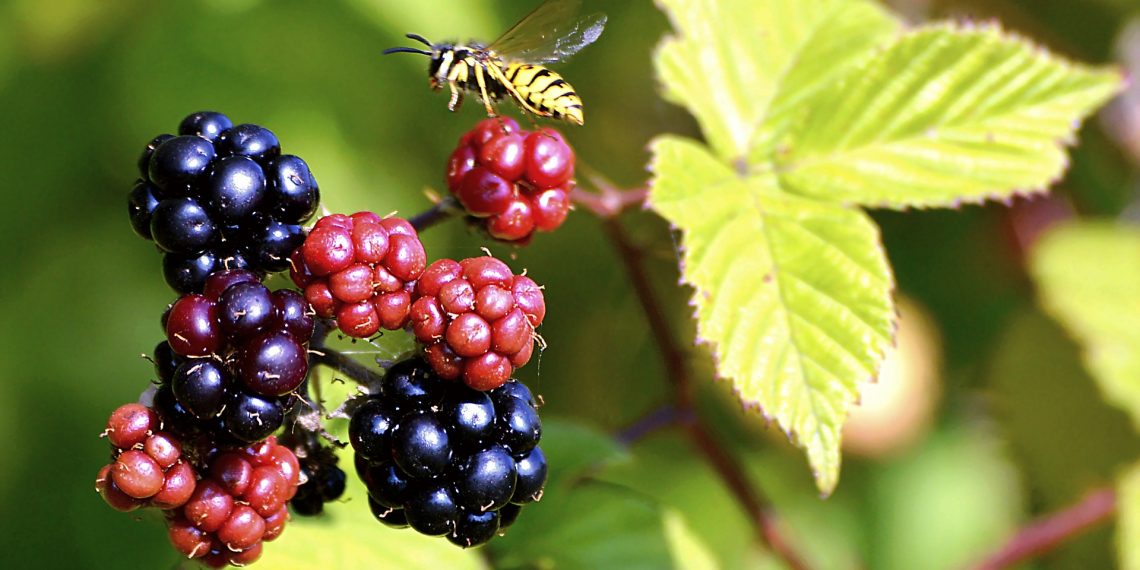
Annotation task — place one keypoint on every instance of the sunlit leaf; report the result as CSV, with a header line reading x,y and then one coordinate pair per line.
x,y
793,294
740,64
945,115
1088,277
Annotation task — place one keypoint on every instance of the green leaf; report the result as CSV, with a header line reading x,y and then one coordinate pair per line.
x,y
946,115
740,64
346,536
793,294
582,523
1088,277
1128,519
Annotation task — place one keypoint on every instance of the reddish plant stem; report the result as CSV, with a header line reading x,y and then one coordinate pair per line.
x,y
1051,531
441,212
726,466
608,202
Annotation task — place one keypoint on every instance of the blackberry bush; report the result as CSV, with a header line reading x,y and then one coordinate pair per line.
x,y
445,459
512,182
220,196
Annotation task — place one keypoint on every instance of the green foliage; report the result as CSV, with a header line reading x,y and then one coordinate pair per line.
x,y
798,292
808,106
1088,277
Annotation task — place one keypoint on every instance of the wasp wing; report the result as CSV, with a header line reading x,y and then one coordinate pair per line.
x,y
552,32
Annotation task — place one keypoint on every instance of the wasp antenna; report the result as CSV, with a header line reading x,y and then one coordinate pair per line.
x,y
406,50
419,38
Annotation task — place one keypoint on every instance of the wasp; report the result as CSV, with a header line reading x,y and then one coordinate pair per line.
x,y
514,65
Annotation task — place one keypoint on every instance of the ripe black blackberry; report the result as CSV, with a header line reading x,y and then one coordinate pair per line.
x,y
220,196
445,459
232,358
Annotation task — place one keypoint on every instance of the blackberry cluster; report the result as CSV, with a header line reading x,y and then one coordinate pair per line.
x,y
232,358
445,459
360,270
321,480
476,319
220,196
239,504
219,505
510,181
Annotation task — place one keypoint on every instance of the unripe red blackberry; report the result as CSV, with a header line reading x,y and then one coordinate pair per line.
x,y
147,466
512,182
239,504
476,319
360,270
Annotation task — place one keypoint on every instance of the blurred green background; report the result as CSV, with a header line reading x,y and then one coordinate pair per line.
x,y
1017,431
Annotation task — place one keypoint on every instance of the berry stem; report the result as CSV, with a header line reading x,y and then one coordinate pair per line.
x,y
1053,530
345,365
440,212
609,201
763,516
665,416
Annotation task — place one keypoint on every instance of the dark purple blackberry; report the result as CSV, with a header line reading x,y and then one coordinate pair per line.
x,y
293,311
474,528
273,364
220,196
256,142
368,430
141,203
469,416
531,477
391,517
431,508
181,225
235,189
186,273
144,158
387,484
293,192
446,459
486,481
199,384
179,163
517,425
245,310
420,445
277,241
508,515
175,418
166,361
250,418
206,124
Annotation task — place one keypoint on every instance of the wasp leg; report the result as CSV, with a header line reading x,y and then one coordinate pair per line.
x,y
456,97
481,79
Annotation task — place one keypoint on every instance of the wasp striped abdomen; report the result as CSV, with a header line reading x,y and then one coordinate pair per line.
x,y
545,91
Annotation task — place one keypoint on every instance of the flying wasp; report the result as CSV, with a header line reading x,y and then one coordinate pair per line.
x,y
513,65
